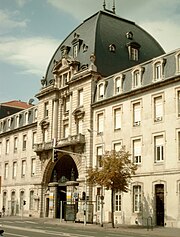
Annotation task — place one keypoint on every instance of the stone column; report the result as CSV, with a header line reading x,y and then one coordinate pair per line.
x,y
53,199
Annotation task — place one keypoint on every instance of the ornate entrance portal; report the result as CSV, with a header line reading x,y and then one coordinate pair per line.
x,y
60,191
159,197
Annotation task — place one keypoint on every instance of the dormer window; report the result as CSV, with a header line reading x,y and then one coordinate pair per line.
x,y
75,51
76,44
158,70
133,50
65,79
101,91
112,48
137,74
118,84
178,63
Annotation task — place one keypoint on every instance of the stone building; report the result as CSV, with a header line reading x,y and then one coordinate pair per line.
x,y
108,84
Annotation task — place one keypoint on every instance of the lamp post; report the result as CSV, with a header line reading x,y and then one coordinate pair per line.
x,y
102,196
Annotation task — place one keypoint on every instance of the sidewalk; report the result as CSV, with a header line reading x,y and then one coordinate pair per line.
x,y
156,231
141,230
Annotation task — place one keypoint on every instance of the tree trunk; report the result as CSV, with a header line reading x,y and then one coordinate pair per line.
x,y
112,207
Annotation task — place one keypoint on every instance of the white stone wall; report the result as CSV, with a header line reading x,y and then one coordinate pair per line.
x,y
149,172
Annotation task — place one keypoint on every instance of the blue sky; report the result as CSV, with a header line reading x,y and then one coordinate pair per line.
x,y
31,31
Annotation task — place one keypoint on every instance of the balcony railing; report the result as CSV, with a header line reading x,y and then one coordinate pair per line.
x,y
69,141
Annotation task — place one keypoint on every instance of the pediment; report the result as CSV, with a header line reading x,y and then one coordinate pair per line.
x,y
44,123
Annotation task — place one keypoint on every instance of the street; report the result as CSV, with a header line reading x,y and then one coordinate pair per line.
x,y
41,227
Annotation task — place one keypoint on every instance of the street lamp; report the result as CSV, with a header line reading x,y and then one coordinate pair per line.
x,y
102,196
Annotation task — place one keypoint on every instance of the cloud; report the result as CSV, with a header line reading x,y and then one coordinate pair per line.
x,y
79,10
31,54
21,3
165,32
7,21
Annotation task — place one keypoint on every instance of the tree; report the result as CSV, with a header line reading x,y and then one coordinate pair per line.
x,y
115,173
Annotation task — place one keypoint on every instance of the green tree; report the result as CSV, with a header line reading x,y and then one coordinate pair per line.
x,y
115,173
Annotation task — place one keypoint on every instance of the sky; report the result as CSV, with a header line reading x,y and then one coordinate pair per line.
x,y
32,30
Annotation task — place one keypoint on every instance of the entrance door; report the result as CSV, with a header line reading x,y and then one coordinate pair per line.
x,y
61,201
159,192
47,207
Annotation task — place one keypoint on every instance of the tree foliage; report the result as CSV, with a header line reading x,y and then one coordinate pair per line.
x,y
116,171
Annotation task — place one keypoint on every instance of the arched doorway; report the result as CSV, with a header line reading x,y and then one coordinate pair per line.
x,y
65,170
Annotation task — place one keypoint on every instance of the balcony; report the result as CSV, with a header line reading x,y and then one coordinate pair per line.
x,y
43,146
69,141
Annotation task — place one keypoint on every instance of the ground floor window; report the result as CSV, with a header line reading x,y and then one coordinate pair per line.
x,y
137,198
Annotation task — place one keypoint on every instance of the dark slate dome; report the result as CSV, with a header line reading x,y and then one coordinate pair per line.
x,y
108,37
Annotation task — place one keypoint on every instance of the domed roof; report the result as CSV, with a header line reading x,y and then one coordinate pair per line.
x,y
110,38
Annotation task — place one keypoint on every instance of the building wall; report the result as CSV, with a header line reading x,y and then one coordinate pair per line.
x,y
151,171
19,179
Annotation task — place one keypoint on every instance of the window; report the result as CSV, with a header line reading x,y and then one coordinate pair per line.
x,y
137,198
158,72
46,109
75,50
178,63
158,109
34,137
158,69
178,145
67,105
35,114
118,201
117,146
23,169
45,135
21,199
6,170
17,121
14,173
24,142
65,79
0,148
15,144
99,156
66,130
31,200
4,199
80,97
117,118
117,85
134,54
101,91
33,166
137,144
7,146
26,118
133,50
159,148
9,124
136,114
79,126
98,199
100,123
178,102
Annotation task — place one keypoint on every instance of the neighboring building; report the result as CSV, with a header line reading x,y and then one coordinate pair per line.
x,y
20,166
11,107
104,88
